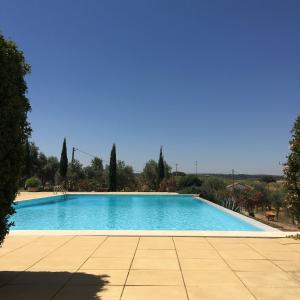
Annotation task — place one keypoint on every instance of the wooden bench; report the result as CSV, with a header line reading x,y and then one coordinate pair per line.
x,y
270,215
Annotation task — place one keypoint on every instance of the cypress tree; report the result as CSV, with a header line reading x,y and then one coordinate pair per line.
x,y
63,164
161,167
292,172
113,170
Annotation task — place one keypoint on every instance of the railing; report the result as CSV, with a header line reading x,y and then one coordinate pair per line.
x,y
59,189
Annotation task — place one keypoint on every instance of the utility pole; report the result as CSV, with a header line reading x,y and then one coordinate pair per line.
x,y
73,154
176,165
196,163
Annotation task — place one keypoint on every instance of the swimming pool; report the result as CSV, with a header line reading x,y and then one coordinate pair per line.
x,y
125,212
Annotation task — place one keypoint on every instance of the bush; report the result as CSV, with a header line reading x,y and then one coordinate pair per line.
x,y
210,188
188,181
32,182
190,190
14,128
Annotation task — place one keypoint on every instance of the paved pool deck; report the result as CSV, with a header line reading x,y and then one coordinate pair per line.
x,y
149,268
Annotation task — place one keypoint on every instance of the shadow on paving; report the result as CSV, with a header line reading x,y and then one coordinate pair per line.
x,y
40,285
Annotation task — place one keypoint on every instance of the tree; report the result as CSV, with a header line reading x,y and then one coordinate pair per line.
x,y
149,177
126,179
94,174
27,166
50,169
75,174
63,164
268,179
113,170
161,166
14,127
292,172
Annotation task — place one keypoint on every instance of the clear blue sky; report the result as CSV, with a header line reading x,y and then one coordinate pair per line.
x,y
213,81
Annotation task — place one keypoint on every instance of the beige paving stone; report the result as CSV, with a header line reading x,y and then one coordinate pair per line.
x,y
288,241
293,247
282,255
99,277
154,293
219,292
265,248
267,293
194,253
60,262
190,240
267,279
28,292
155,264
155,254
154,277
89,292
156,243
12,243
233,247
295,275
117,241
203,264
245,254
203,277
252,265
16,263
114,252
110,263
218,240
288,265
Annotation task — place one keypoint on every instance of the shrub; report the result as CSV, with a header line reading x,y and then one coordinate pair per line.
x,y
188,181
32,182
14,128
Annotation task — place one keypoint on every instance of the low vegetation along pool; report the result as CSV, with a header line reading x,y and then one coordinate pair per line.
x,y
124,212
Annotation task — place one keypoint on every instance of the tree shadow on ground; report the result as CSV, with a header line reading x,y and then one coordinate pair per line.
x,y
40,285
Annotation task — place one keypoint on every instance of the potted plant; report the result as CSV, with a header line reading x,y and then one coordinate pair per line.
x,y
32,184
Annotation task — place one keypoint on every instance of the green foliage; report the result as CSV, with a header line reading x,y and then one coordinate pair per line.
x,y
126,179
32,182
63,164
14,128
75,174
268,179
94,176
210,187
292,172
188,181
148,177
161,166
113,170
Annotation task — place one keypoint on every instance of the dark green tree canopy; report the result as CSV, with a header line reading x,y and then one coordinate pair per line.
x,y
113,169
63,164
14,128
292,171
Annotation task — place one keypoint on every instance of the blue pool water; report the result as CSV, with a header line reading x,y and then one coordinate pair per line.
x,y
124,212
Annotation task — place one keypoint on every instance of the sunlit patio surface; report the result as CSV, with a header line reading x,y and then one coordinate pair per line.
x,y
137,268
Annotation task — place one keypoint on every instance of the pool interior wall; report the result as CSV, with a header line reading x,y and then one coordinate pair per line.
x,y
126,212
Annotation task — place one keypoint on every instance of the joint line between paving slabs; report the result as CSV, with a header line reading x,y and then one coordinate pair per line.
x,y
186,292
231,269
137,245
78,269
